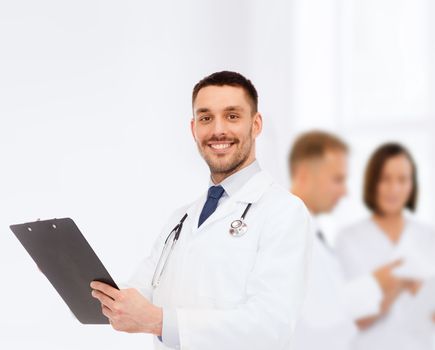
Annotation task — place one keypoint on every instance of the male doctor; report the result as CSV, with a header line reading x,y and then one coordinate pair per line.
x,y
216,288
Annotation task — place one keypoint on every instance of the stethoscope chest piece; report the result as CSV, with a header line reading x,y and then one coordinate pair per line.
x,y
238,228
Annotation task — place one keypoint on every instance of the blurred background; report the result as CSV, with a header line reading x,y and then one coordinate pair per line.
x,y
95,105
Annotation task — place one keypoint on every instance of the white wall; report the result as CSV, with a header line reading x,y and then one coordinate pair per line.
x,y
94,124
365,70
95,110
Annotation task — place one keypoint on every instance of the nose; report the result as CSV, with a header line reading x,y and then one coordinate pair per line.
x,y
219,126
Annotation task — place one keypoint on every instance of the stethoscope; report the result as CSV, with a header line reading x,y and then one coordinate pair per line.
x,y
238,228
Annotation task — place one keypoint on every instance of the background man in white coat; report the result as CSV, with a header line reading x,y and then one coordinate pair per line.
x,y
219,288
318,166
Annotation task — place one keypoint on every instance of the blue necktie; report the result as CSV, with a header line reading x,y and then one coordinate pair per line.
x,y
214,193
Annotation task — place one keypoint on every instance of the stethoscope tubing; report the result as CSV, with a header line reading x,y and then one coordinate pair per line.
x,y
177,231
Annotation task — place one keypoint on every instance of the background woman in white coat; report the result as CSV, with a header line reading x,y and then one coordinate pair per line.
x,y
391,233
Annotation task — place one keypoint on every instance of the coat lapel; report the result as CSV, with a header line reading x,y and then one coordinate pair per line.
x,y
251,192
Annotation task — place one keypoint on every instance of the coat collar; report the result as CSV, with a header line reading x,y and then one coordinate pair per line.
x,y
234,182
250,192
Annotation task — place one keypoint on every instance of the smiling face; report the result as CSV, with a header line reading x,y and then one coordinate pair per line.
x,y
224,128
395,185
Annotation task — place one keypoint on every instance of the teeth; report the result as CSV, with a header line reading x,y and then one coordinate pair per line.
x,y
221,146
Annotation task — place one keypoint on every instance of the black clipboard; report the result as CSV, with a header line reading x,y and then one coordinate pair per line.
x,y
65,257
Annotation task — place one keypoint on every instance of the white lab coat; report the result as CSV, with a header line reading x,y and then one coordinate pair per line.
x,y
332,304
235,292
363,247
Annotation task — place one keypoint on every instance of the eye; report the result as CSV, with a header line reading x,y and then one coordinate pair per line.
x,y
233,116
204,118
403,179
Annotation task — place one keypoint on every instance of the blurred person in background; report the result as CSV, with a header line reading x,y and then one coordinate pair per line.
x,y
318,168
405,320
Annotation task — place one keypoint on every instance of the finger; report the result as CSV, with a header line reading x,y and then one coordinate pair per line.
x,y
103,298
411,281
105,288
107,312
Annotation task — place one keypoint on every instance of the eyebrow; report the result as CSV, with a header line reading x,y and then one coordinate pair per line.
x,y
202,110
233,108
226,109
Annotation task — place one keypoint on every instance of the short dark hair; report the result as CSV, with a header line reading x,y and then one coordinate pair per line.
x,y
231,79
313,144
374,169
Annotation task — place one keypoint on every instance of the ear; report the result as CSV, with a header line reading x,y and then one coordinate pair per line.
x,y
192,128
257,124
302,171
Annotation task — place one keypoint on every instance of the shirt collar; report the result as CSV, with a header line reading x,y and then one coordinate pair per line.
x,y
234,182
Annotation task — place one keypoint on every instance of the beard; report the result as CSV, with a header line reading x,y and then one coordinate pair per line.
x,y
226,164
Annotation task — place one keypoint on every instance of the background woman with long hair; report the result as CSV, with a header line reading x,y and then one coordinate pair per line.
x,y
390,193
